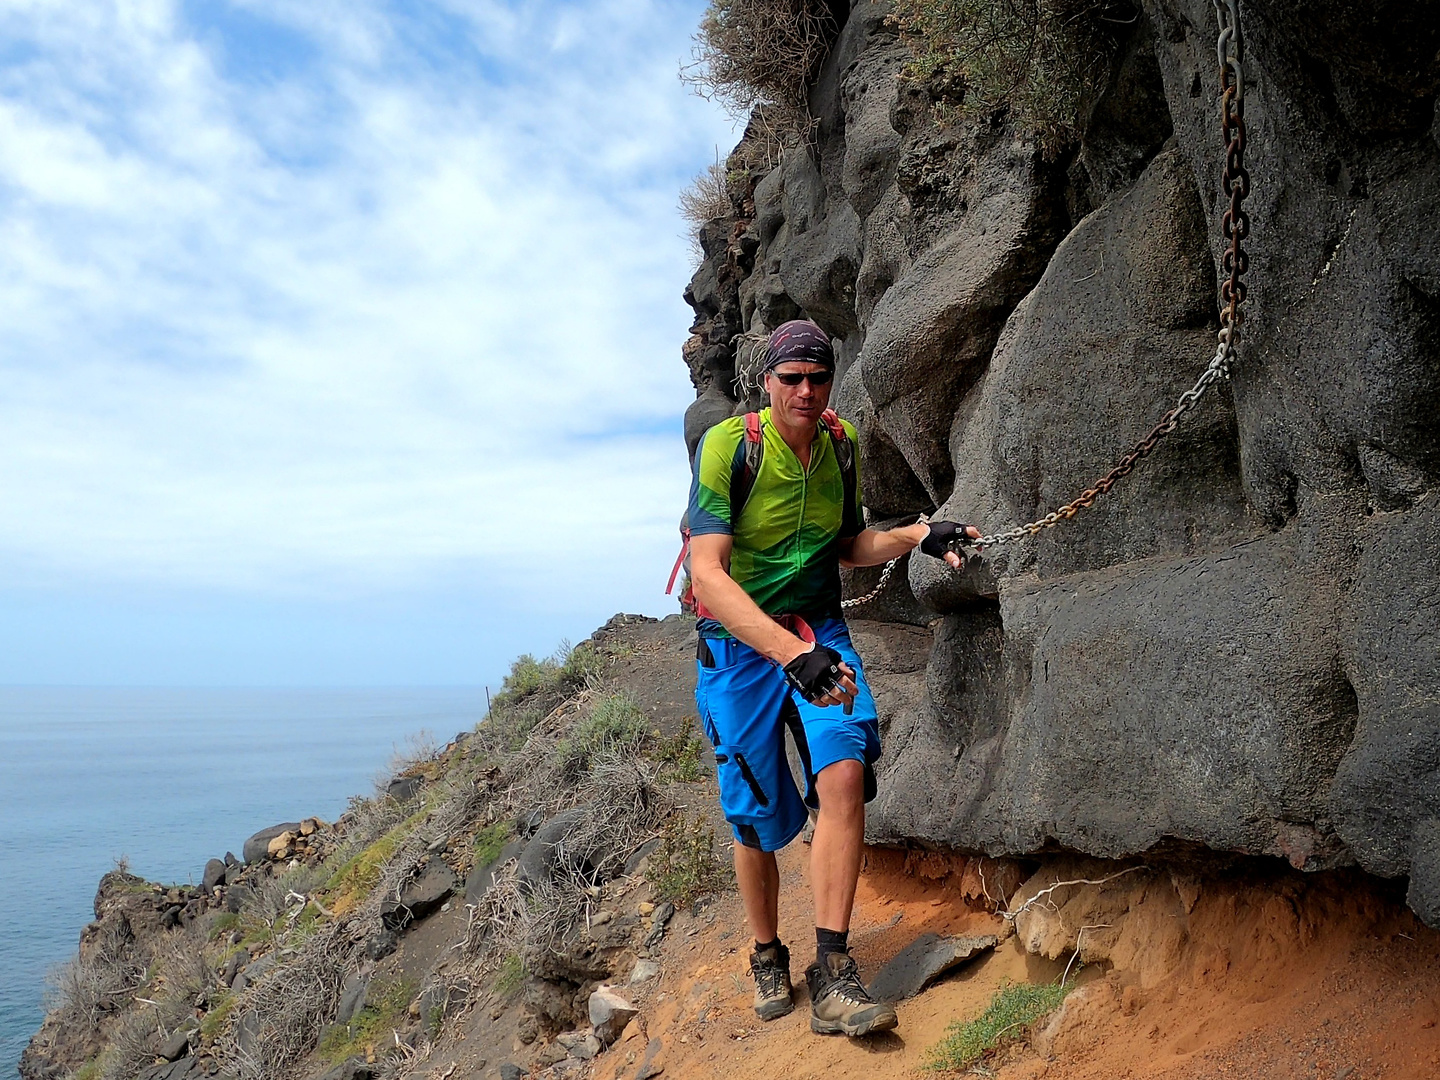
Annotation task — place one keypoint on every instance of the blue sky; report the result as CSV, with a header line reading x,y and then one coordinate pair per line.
x,y
340,340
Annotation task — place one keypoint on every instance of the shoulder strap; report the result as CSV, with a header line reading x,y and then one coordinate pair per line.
x,y
745,466
844,456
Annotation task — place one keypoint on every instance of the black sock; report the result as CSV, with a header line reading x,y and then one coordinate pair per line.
x,y
761,946
830,941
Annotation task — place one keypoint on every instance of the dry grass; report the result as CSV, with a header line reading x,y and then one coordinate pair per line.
x,y
515,922
754,53
291,1004
705,199
101,979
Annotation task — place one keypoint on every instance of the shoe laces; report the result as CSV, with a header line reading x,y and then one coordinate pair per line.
x,y
769,975
846,985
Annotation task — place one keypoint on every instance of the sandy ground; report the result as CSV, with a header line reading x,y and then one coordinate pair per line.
x,y
1326,984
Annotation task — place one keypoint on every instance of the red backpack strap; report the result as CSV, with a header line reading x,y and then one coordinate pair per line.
x,y
746,466
845,457
679,560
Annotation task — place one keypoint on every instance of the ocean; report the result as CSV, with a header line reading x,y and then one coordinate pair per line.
x,y
169,778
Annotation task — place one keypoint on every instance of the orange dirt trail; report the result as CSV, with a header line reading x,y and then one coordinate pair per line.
x,y
1314,979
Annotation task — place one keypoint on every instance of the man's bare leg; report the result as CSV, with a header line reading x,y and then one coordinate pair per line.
x,y
836,846
839,1002
759,881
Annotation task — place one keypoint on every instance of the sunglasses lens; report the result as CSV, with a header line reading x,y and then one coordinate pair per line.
x,y
794,378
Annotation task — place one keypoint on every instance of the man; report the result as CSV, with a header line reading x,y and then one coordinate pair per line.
x,y
775,652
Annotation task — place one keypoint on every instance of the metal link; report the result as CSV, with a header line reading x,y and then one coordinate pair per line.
x,y
1234,227
884,577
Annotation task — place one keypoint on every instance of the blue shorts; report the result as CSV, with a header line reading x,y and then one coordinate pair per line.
x,y
746,706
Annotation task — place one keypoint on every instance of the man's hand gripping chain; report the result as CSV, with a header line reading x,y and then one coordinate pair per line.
x,y
946,536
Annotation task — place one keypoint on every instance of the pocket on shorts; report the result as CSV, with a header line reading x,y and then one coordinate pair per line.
x,y
742,796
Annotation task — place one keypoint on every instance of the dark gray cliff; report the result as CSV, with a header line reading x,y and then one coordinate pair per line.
x,y
1238,647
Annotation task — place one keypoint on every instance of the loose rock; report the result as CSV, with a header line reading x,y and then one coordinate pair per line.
x,y
609,1013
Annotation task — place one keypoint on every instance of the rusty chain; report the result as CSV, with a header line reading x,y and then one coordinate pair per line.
x,y
884,579
1234,227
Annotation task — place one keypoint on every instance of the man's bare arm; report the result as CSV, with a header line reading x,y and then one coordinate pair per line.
x,y
728,602
872,547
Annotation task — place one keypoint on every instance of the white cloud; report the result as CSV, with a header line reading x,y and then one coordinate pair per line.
x,y
337,296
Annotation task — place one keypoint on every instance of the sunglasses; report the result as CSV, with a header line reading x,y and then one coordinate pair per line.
x,y
793,378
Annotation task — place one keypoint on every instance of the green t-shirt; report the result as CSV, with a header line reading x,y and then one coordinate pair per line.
x,y
785,553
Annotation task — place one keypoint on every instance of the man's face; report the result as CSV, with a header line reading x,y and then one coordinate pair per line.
x,y
801,404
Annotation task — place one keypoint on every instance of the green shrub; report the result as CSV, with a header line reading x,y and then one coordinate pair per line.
x,y
386,1002
686,865
567,669
1043,61
490,841
581,664
1008,1017
528,675
222,924
614,722
509,977
212,1024
679,756
507,727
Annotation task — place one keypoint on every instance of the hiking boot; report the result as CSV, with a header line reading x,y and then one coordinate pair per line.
x,y
839,1002
771,970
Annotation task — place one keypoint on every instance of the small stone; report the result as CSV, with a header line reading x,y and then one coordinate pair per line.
x,y
308,826
646,907
609,1013
600,918
214,874
643,971
653,1063
581,1045
510,1071
279,846
176,1046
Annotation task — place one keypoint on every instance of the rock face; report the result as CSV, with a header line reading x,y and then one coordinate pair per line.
x,y
1236,648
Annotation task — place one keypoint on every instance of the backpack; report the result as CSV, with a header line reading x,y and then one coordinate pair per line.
x,y
743,470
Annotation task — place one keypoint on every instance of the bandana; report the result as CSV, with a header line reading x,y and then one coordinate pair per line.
x,y
798,339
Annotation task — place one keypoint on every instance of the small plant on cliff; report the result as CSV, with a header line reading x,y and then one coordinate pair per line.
x,y
1042,61
102,979
703,200
490,841
1009,1016
510,975
384,1013
679,758
686,866
614,723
